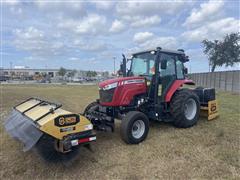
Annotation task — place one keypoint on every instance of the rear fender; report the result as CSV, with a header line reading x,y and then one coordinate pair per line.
x,y
175,86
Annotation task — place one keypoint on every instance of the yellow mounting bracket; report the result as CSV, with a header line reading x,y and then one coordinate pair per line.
x,y
211,110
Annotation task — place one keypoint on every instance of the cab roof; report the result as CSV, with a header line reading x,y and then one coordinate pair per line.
x,y
179,51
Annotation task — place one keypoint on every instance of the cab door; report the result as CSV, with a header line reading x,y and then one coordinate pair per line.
x,y
167,71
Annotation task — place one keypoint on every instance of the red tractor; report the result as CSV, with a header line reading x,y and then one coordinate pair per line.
x,y
152,89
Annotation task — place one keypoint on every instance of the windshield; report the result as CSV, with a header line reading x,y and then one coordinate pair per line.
x,y
143,64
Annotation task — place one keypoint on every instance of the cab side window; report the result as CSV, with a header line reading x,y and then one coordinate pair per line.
x,y
170,66
179,67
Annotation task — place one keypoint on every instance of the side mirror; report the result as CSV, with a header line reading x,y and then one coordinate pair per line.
x,y
123,66
185,70
120,72
164,64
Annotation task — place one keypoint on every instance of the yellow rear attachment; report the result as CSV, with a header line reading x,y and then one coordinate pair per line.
x,y
33,118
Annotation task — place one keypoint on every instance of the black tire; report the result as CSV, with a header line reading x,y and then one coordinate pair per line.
x,y
92,104
127,127
178,108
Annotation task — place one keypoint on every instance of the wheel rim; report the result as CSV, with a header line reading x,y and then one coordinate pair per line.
x,y
190,109
138,129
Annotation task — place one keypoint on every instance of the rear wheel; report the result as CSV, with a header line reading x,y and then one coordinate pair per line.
x,y
185,108
134,127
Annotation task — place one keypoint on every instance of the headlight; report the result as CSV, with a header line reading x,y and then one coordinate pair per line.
x,y
110,86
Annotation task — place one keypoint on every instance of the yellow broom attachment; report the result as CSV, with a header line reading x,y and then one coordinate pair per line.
x,y
33,118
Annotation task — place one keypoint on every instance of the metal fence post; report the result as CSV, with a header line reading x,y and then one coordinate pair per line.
x,y
225,81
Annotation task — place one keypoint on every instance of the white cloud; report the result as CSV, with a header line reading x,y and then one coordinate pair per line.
x,y
39,44
213,30
53,4
145,14
30,33
139,21
167,42
11,2
117,26
34,41
34,58
208,11
89,45
142,36
105,5
147,40
92,24
72,9
149,8
74,58
16,10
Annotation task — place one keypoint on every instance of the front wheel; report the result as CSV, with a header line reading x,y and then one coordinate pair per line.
x,y
89,106
134,127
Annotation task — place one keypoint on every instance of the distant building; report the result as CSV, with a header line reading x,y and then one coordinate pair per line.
x,y
27,72
21,72
20,67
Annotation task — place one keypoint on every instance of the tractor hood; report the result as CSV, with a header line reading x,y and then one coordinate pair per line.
x,y
121,81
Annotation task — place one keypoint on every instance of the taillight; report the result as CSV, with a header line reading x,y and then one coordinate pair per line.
x,y
83,140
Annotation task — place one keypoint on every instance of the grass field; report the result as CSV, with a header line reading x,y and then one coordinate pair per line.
x,y
209,150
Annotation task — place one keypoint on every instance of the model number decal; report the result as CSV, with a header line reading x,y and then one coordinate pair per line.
x,y
67,129
66,120
133,81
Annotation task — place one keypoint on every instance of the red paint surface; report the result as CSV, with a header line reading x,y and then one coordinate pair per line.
x,y
124,93
177,84
120,79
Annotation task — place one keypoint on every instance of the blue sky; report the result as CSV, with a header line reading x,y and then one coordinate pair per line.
x,y
87,35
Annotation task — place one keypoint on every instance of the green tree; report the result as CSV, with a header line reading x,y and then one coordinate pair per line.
x,y
94,73
43,74
72,73
91,73
223,52
62,71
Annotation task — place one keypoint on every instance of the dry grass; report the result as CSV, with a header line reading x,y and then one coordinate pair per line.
x,y
209,150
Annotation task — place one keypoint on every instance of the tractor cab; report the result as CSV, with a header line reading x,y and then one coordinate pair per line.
x,y
160,67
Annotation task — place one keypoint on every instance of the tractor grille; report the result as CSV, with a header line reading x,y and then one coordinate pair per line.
x,y
106,95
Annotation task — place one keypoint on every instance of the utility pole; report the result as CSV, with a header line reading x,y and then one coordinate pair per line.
x,y
114,58
10,72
